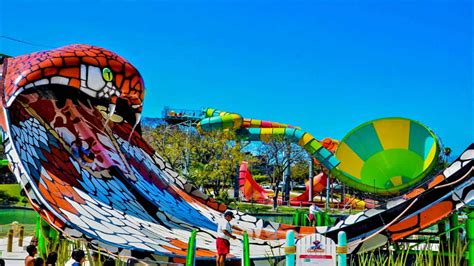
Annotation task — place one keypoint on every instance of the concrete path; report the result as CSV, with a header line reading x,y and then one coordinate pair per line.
x,y
15,258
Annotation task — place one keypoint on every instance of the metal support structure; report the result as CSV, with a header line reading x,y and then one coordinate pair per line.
x,y
311,177
191,253
246,250
296,217
290,249
319,219
443,240
286,175
470,236
343,194
341,249
236,183
328,188
454,223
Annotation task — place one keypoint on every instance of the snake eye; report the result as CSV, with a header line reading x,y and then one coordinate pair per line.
x,y
107,74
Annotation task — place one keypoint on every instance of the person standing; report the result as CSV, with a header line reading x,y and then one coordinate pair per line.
x,y
39,262
51,259
313,211
30,258
79,257
224,233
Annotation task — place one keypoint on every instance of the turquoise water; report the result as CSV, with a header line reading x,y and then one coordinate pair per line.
x,y
21,215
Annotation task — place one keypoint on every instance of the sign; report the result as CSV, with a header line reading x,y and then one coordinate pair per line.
x,y
315,250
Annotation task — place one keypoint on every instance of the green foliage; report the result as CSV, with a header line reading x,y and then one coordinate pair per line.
x,y
172,143
208,161
66,246
7,199
273,153
261,179
448,254
10,195
299,171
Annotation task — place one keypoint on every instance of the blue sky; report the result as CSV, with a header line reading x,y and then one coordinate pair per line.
x,y
326,66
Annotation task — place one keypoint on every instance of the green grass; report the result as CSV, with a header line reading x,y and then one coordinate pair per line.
x,y
14,190
264,208
261,208
11,189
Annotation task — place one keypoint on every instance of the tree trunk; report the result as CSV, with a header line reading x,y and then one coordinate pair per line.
x,y
275,197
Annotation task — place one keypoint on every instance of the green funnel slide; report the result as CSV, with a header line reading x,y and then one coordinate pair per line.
x,y
386,156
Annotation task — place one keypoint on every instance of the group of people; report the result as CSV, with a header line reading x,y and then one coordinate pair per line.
x,y
224,233
78,257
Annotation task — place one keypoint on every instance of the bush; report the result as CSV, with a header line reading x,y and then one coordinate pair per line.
x,y
24,201
12,200
261,179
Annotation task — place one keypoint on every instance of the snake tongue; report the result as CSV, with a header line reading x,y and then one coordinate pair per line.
x,y
138,116
111,109
111,113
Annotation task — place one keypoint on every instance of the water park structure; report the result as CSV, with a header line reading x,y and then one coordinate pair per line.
x,y
70,123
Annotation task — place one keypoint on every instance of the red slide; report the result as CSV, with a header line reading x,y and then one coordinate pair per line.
x,y
252,191
249,187
319,184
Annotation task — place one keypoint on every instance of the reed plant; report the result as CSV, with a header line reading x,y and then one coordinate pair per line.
x,y
448,253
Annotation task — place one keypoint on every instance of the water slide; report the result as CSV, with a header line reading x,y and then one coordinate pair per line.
x,y
386,156
70,125
252,191
421,207
319,184
259,130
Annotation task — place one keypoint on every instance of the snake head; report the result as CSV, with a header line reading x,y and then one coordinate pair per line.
x,y
95,71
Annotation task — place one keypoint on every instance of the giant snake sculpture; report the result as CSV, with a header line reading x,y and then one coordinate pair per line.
x,y
70,120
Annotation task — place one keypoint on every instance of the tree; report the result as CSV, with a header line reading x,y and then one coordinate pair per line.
x,y
214,161
208,161
275,153
172,143
299,170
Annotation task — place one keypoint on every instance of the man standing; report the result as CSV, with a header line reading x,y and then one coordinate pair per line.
x,y
224,233
313,211
30,258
